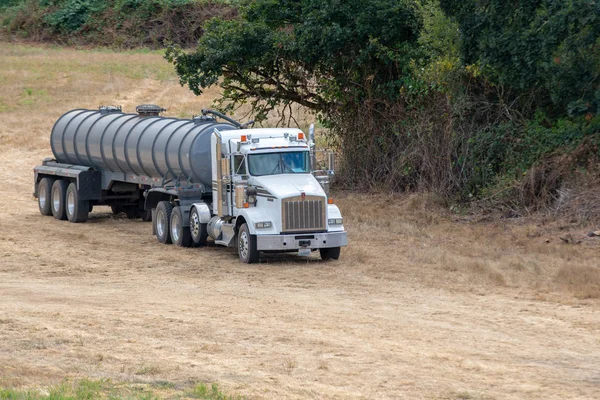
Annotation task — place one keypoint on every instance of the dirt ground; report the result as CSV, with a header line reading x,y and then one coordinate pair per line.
x,y
422,304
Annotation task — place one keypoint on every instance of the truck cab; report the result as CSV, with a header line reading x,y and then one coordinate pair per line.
x,y
266,198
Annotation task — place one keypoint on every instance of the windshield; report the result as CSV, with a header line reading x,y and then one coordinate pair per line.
x,y
294,162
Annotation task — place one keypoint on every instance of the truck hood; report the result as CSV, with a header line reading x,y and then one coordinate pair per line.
x,y
288,185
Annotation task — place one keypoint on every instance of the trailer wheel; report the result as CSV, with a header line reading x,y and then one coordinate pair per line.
x,y
132,212
116,209
163,219
77,209
180,235
246,244
147,215
198,230
57,198
331,253
44,190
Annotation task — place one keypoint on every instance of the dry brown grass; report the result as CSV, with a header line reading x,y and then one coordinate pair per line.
x,y
39,83
447,251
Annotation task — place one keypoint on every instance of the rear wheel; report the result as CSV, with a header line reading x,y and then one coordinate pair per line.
x,y
77,209
147,215
163,219
132,212
43,192
331,253
198,230
246,244
57,198
116,208
180,235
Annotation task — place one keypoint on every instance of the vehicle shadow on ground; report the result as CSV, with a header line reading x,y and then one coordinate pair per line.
x,y
290,259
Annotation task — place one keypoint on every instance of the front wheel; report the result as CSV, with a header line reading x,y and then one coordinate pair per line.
x,y
180,235
331,253
246,244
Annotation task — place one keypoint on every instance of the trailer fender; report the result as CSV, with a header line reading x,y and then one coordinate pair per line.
x,y
156,195
87,180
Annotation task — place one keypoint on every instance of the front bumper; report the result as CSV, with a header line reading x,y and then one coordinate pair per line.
x,y
301,240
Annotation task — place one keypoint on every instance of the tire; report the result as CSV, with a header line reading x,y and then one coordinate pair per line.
x,y
57,199
163,220
198,230
77,209
132,212
180,235
331,253
146,215
116,209
43,194
246,244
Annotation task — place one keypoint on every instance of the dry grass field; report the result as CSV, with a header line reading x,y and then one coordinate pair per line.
x,y
423,304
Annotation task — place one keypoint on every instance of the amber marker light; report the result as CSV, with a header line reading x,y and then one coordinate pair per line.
x,y
246,205
244,138
301,136
330,201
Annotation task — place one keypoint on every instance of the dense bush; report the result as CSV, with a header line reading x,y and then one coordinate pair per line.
x,y
546,51
114,23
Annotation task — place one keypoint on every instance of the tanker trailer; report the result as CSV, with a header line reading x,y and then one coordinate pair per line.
x,y
194,179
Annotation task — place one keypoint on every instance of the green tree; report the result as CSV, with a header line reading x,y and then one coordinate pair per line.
x,y
548,50
325,55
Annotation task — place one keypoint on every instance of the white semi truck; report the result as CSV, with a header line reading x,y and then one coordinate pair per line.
x,y
256,189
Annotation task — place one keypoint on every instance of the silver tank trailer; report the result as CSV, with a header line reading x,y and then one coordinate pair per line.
x,y
153,146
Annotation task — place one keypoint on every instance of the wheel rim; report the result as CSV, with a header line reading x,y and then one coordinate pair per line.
x,y
42,196
160,224
243,244
195,224
71,203
175,222
55,200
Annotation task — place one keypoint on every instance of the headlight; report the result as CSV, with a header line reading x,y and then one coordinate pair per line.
x,y
263,224
336,221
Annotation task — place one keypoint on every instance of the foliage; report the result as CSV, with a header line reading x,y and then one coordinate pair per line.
x,y
73,14
321,54
87,389
546,50
114,23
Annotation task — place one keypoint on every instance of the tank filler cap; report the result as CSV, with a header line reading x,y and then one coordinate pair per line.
x,y
109,109
149,110
201,119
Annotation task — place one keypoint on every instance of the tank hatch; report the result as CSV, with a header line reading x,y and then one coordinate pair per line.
x,y
149,110
109,109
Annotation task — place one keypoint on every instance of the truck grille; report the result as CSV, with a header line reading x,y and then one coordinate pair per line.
x,y
306,214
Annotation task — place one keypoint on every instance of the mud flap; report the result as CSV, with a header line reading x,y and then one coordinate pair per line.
x,y
154,222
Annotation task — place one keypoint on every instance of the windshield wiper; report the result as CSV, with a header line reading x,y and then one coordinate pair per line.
x,y
288,167
277,167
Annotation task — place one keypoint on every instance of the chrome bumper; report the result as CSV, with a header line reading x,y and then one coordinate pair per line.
x,y
301,240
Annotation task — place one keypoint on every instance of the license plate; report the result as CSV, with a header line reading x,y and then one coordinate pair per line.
x,y
304,252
